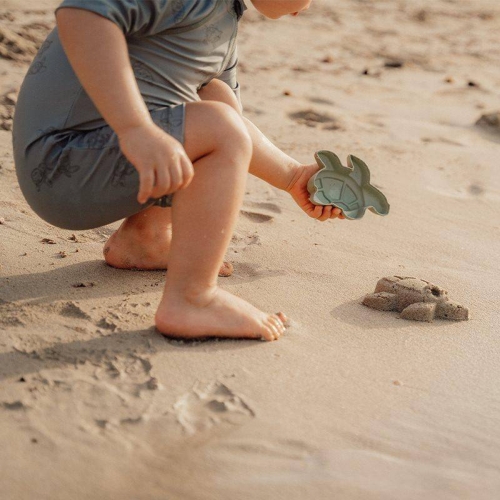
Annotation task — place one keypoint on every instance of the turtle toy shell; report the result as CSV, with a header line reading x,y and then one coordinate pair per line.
x,y
347,188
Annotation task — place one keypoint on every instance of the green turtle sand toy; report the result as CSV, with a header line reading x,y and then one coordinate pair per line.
x,y
415,299
347,188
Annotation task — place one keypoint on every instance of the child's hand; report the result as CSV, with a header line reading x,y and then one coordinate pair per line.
x,y
161,161
298,191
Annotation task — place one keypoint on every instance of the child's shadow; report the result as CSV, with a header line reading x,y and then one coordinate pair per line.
x,y
101,281
66,282
102,350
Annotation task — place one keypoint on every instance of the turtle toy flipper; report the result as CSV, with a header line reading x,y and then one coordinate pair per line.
x,y
347,188
330,161
360,171
375,200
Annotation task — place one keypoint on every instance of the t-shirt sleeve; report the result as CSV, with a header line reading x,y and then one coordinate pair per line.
x,y
229,75
134,17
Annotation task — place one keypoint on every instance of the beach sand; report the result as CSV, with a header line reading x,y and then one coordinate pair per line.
x,y
352,403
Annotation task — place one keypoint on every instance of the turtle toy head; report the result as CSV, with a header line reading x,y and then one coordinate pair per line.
x,y
347,188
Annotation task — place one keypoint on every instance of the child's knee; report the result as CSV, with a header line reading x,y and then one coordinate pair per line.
x,y
219,91
214,127
230,128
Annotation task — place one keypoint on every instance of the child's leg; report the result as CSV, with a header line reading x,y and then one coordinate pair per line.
x,y
143,242
203,216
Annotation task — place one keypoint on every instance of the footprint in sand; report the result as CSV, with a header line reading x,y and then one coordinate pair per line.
x,y
476,190
13,406
256,211
442,140
458,186
320,100
243,241
270,207
246,273
311,118
257,217
120,391
211,405
489,126
281,448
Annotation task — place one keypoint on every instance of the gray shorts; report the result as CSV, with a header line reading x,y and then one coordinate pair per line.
x,y
80,179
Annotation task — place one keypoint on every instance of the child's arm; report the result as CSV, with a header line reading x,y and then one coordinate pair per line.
x,y
280,170
271,164
97,51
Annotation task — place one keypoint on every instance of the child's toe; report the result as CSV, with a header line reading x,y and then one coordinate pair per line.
x,y
267,332
272,328
276,321
282,317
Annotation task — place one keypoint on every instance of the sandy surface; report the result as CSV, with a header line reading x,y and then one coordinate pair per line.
x,y
353,403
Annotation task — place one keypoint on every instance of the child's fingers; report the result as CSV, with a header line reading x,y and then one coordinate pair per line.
x,y
187,171
175,177
318,210
327,213
146,182
163,183
340,214
336,212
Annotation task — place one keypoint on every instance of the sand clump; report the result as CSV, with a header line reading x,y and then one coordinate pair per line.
x,y
415,299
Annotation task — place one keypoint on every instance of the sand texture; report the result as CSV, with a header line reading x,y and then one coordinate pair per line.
x,y
352,403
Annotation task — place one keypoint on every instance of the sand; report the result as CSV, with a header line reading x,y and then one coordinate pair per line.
x,y
353,403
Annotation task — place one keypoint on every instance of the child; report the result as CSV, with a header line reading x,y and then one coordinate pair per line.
x,y
131,101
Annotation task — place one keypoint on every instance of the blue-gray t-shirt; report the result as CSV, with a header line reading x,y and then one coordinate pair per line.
x,y
175,47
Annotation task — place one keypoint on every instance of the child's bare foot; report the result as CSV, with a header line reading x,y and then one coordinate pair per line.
x,y
142,249
215,313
